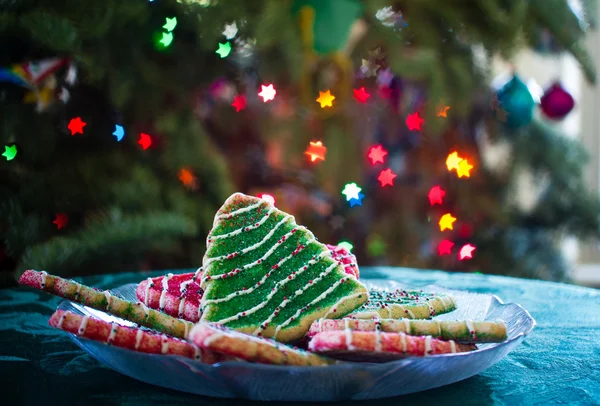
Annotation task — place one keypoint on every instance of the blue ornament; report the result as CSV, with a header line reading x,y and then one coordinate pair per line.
x,y
515,104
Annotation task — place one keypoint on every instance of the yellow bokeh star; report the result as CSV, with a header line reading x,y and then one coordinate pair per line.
x,y
326,99
446,222
463,169
452,161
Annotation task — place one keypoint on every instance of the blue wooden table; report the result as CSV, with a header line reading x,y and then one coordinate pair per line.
x,y
559,363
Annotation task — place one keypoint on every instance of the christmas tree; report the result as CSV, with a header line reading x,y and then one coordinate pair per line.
x,y
125,125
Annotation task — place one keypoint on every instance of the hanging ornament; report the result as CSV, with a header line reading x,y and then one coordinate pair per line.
x,y
557,102
517,102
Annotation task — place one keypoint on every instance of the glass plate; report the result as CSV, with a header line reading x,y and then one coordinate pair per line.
x,y
333,383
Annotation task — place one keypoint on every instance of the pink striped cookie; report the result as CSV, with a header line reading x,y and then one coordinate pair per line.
x,y
176,295
379,345
130,338
345,258
220,339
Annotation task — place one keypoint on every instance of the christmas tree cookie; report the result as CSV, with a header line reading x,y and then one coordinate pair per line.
x,y
267,276
464,331
176,295
410,304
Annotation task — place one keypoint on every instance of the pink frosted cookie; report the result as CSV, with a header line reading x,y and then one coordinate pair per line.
x,y
130,338
367,345
220,339
176,295
345,258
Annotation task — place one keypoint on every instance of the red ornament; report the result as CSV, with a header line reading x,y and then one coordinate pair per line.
x,y
466,252
436,195
445,247
61,220
376,154
557,102
361,95
414,121
239,102
386,177
145,141
76,125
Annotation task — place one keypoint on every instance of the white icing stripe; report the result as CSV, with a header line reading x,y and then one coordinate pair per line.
x,y
405,310
263,279
145,309
186,327
181,307
108,298
113,332
378,338
365,315
149,280
443,301
317,299
43,275
321,325
138,338
274,291
333,308
83,325
470,327
406,325
78,290
427,345
163,293
452,346
240,211
250,248
197,352
403,340
389,309
164,345
61,320
243,229
348,332
212,338
439,328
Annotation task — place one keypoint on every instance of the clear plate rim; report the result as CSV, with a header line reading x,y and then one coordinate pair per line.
x,y
340,366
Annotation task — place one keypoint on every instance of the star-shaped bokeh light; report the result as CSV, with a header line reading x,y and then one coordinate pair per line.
x,y
351,191
61,220
167,38
187,177
466,252
76,126
377,154
464,169
361,95
445,247
356,202
10,152
369,68
170,23
267,92
414,121
442,111
316,150
386,177
345,245
268,198
436,194
239,102
230,30
119,132
224,49
446,222
145,141
452,161
325,99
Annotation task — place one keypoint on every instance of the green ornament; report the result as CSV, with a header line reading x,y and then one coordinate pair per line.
x,y
516,100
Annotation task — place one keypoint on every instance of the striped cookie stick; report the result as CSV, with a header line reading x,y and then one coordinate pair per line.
x,y
131,338
105,301
465,331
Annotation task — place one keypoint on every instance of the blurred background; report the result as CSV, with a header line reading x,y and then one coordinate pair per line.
x,y
452,135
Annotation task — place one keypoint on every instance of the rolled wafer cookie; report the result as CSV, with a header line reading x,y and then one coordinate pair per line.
x,y
411,304
176,295
130,338
365,345
220,339
464,331
107,302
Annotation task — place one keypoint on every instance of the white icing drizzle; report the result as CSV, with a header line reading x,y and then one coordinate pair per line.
x,y
470,327
249,248
403,340
163,293
78,290
164,344
61,320
197,352
276,289
108,298
147,291
83,325
317,299
405,310
186,327
366,315
378,342
407,325
113,332
452,346
44,275
264,278
138,338
199,312
427,345
389,309
443,301
333,308
145,309
245,228
439,327
212,338
321,324
181,307
239,211
348,332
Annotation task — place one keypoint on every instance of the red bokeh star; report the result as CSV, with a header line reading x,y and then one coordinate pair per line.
x,y
386,177
145,141
445,247
466,252
435,195
361,95
376,154
61,220
76,125
239,102
316,150
414,121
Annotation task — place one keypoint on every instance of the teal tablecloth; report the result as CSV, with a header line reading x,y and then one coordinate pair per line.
x,y
558,363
